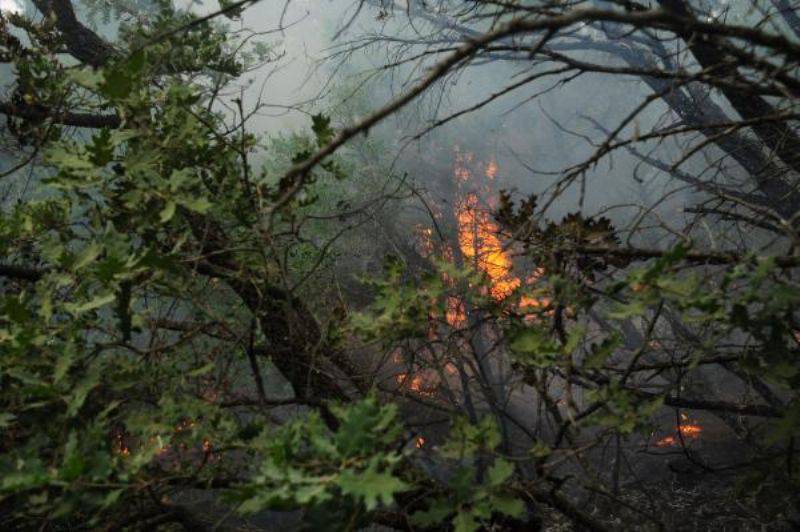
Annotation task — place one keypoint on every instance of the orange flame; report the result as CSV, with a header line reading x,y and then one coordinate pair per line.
x,y
481,246
684,431
479,242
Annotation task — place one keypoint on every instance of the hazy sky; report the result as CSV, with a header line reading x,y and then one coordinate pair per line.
x,y
299,30
14,6
302,31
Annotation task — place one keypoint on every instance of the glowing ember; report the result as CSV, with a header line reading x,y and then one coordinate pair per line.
x,y
119,445
686,431
462,173
424,240
455,314
491,169
418,383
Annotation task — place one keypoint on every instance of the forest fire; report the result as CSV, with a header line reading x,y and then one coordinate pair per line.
x,y
480,244
685,431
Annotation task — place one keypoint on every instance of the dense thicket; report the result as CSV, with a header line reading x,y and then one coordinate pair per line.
x,y
208,326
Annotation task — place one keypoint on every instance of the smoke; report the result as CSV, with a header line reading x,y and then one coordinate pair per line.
x,y
11,6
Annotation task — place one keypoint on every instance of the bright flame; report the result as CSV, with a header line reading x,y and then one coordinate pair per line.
x,y
419,442
479,243
480,246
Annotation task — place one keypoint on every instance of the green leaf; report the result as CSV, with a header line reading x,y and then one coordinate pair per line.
x,y
101,150
120,80
87,77
198,204
117,84
24,480
167,212
136,63
95,303
500,471
508,506
111,498
371,486
87,255
73,464
623,311
534,341
536,346
440,509
321,126
202,370
6,419
78,397
63,363
464,522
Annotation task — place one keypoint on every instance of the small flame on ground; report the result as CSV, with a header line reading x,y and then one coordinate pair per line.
x,y
416,383
119,446
419,442
686,431
121,442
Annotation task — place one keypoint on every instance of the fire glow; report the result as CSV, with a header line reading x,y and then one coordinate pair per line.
x,y
480,244
418,383
686,431
481,247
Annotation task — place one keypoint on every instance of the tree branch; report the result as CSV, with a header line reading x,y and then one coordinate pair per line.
x,y
39,114
81,42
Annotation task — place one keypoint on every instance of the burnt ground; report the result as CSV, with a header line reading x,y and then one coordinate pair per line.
x,y
710,482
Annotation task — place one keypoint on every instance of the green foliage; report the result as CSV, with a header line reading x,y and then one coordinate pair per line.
x,y
95,400
470,502
144,341
304,465
401,307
